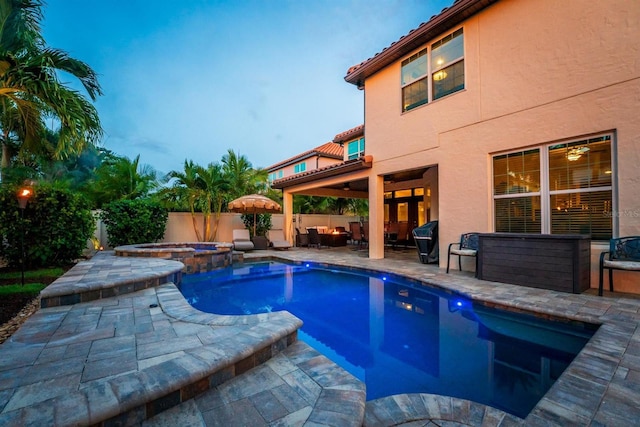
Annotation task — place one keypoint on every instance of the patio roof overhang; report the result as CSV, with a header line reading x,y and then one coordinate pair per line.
x,y
344,168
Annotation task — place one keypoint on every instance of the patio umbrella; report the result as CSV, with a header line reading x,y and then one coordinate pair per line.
x,y
255,204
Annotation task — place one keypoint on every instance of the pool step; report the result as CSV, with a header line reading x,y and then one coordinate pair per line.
x,y
106,276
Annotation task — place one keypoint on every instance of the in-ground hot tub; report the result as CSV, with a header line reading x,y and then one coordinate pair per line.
x,y
197,256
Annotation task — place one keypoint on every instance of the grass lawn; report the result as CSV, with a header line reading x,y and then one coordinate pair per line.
x,y
14,296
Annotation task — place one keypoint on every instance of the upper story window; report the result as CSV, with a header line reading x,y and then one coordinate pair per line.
x,y
280,174
447,64
415,85
442,65
272,177
559,189
300,167
355,149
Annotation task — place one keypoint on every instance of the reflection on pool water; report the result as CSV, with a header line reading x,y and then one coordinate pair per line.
x,y
400,337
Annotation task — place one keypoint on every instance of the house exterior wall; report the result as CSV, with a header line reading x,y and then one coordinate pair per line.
x,y
312,163
536,72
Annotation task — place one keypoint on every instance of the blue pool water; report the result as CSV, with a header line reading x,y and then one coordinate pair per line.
x,y
398,336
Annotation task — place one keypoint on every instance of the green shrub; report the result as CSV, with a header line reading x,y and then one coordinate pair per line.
x,y
134,221
57,224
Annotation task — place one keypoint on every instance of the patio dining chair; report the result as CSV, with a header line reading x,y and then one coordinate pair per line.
x,y
302,239
467,246
314,238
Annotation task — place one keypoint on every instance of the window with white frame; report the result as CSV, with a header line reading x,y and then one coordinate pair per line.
x,y
355,149
300,167
563,188
442,65
415,84
447,64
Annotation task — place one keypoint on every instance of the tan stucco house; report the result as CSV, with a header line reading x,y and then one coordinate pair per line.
x,y
502,116
325,155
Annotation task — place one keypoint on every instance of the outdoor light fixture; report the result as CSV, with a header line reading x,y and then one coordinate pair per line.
x,y
23,195
346,187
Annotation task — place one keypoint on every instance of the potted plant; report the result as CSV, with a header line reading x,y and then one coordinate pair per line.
x,y
263,225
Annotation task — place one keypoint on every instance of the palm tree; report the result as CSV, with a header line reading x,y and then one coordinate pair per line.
x,y
216,189
204,189
29,85
243,178
119,178
186,186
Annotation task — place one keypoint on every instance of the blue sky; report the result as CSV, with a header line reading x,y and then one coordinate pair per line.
x,y
189,79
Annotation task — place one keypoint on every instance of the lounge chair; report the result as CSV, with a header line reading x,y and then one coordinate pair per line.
x,y
468,246
277,240
623,254
242,240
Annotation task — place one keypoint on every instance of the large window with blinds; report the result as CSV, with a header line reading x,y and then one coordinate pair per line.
x,y
563,188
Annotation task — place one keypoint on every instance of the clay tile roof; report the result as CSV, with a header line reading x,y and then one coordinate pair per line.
x,y
350,134
328,149
448,18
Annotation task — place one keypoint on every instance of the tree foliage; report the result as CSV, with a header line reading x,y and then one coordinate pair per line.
x,y
31,91
119,178
55,225
134,221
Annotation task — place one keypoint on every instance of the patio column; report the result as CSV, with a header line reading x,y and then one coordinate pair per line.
x,y
287,210
376,217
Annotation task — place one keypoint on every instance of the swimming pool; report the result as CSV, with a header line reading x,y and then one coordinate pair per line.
x,y
399,336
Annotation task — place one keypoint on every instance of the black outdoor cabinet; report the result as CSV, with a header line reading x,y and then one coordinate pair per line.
x,y
560,262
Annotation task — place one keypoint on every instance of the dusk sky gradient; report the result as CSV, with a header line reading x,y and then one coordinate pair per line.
x,y
189,79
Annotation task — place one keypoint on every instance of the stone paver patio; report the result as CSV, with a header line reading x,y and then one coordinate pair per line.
x,y
136,353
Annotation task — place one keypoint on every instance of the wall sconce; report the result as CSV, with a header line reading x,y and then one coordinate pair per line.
x,y
346,187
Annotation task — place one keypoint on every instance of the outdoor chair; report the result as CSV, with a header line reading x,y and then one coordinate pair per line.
x,y
242,240
365,233
623,254
314,238
302,239
398,233
468,246
277,240
357,234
